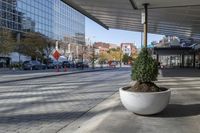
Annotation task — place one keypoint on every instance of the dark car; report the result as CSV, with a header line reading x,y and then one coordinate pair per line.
x,y
54,64
72,64
81,65
33,65
57,64
50,65
86,65
66,64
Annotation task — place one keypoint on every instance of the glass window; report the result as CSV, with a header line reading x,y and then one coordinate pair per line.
x,y
51,17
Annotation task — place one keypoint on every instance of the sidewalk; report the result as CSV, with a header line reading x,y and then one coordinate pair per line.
x,y
10,75
181,116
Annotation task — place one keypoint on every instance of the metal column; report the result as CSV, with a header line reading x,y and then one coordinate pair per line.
x,y
182,60
146,24
157,57
194,60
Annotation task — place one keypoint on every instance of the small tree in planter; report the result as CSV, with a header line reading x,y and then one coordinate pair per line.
x,y
145,71
144,97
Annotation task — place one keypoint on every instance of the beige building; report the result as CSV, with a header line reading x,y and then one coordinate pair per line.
x,y
129,48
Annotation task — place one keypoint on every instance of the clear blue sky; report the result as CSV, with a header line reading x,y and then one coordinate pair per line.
x,y
99,34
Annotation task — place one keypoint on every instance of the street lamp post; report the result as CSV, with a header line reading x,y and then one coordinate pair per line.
x,y
92,49
120,55
93,56
83,49
19,48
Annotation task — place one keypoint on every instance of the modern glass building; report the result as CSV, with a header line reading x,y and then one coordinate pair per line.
x,y
51,18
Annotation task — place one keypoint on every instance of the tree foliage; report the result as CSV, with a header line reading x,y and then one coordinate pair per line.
x,y
134,56
36,45
125,58
145,68
112,54
103,57
116,54
49,47
6,42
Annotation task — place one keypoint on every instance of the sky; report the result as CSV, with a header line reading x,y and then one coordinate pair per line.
x,y
97,33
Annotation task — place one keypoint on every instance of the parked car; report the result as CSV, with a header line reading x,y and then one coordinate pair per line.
x,y
50,65
66,64
43,66
33,65
54,64
112,63
82,65
72,64
57,64
86,65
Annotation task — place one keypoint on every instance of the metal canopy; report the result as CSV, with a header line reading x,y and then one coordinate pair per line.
x,y
167,17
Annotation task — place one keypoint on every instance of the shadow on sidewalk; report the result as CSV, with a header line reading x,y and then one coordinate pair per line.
x,y
178,110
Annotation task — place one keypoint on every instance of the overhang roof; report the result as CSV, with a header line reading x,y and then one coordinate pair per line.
x,y
167,17
173,50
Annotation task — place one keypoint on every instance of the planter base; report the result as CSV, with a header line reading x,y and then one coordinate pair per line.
x,y
144,103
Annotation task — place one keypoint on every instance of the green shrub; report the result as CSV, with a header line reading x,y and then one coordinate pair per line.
x,y
145,68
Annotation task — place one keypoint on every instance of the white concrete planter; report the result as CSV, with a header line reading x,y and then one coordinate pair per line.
x,y
144,103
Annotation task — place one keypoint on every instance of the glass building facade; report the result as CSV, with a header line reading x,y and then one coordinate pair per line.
x,y
52,18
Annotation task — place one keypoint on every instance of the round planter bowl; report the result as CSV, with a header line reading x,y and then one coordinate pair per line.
x,y
144,103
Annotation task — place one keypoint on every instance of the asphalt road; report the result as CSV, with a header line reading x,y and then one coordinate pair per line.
x,y
49,104
11,76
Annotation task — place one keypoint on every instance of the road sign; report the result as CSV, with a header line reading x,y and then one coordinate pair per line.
x,y
56,55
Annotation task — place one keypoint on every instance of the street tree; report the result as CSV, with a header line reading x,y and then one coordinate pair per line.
x,y
103,57
125,58
7,42
134,56
116,54
49,47
35,45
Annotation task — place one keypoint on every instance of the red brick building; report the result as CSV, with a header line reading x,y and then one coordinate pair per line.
x,y
103,47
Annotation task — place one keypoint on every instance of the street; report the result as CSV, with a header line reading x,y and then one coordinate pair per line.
x,y
47,105
9,75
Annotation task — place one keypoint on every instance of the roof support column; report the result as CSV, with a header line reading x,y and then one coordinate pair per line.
x,y
194,60
183,60
146,24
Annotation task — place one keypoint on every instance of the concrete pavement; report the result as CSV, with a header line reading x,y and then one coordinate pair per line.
x,y
181,116
48,105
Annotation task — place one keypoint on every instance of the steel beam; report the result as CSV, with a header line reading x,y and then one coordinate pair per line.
x,y
145,24
133,4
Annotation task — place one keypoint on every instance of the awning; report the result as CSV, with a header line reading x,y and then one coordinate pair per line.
x,y
167,17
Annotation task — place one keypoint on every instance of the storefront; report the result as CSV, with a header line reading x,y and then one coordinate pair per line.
x,y
177,57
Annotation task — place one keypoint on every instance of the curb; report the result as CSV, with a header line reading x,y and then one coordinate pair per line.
x,y
52,75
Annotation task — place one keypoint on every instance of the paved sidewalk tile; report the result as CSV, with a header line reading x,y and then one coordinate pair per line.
x,y
181,116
